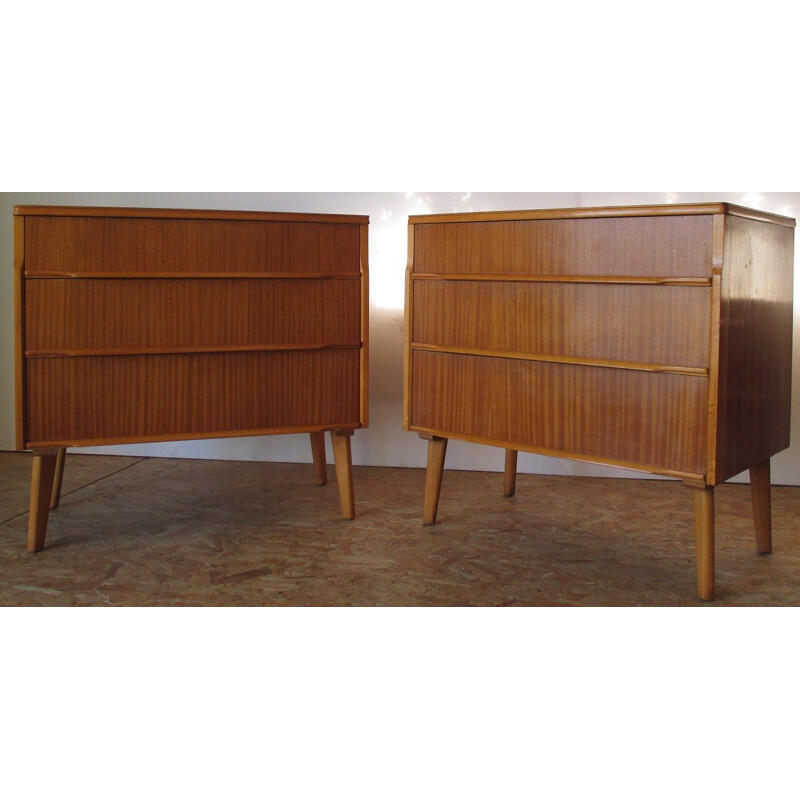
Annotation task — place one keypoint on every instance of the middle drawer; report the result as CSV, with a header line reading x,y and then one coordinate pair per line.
x,y
76,314
642,323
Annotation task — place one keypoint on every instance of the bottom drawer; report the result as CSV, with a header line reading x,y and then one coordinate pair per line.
x,y
630,417
97,399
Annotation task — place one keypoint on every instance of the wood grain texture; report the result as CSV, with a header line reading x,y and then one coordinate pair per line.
x,y
755,361
102,399
637,417
641,246
670,322
78,315
99,244
194,293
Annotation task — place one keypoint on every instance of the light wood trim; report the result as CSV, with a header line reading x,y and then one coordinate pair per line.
x,y
691,478
530,278
704,541
364,255
760,216
408,332
717,261
343,461
183,213
184,437
678,209
712,431
437,450
698,372
760,491
180,276
55,496
319,457
42,475
19,331
510,473
151,351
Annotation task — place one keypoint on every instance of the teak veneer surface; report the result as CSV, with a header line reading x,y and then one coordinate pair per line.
x,y
671,323
95,244
628,416
200,313
108,399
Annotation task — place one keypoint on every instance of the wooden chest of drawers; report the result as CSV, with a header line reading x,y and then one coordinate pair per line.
x,y
141,325
654,338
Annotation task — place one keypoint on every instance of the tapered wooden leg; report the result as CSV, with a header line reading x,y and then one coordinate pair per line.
x,y
510,478
704,538
55,497
343,461
762,505
437,449
42,475
319,456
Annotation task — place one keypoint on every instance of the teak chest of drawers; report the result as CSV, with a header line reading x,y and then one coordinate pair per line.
x,y
654,338
143,325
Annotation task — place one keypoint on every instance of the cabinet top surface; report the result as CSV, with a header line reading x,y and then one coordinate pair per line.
x,y
678,209
183,213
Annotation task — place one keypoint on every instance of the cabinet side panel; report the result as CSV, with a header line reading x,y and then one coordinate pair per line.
x,y
756,319
93,244
96,399
640,418
672,246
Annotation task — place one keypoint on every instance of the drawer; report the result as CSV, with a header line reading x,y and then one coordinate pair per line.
x,y
667,325
119,244
630,417
668,246
99,314
97,399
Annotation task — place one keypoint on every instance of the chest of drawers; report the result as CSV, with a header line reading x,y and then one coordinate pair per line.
x,y
654,338
143,325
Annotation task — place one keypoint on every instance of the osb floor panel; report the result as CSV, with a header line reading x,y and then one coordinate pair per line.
x,y
143,532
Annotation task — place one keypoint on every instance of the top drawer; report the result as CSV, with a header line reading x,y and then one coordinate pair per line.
x,y
648,246
96,244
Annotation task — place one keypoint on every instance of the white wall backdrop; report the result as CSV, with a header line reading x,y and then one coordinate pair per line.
x,y
384,443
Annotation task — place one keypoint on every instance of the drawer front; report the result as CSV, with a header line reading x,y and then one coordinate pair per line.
x,y
99,314
96,244
630,417
669,246
667,325
83,400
